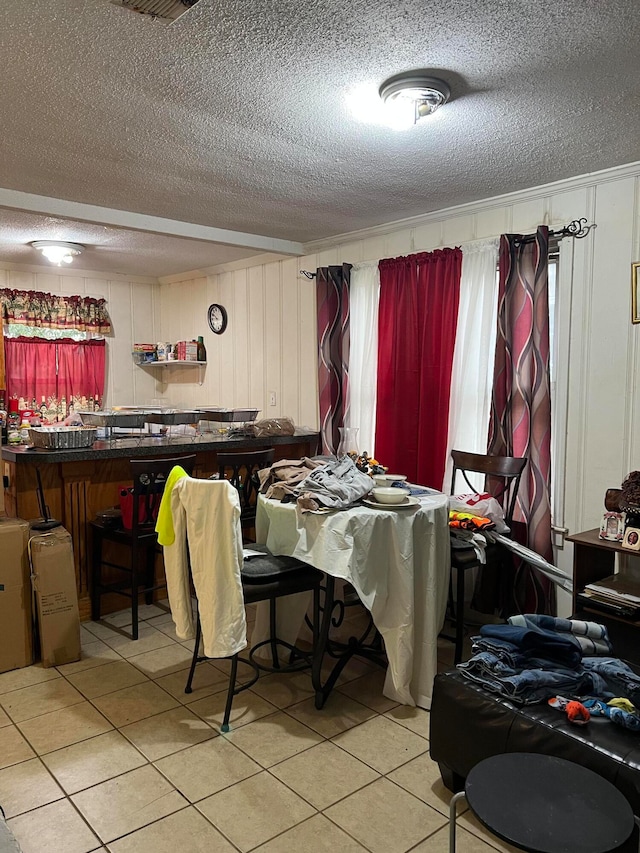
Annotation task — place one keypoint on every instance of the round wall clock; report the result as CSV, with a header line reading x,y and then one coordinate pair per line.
x,y
217,317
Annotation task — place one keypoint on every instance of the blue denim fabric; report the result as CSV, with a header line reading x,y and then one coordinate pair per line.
x,y
594,630
563,648
510,654
592,637
503,650
528,686
620,679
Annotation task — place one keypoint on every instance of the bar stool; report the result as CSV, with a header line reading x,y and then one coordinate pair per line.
x,y
545,804
149,477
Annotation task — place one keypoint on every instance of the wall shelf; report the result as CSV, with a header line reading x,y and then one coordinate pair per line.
x,y
176,363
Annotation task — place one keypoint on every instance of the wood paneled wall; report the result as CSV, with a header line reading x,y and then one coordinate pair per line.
x,y
270,344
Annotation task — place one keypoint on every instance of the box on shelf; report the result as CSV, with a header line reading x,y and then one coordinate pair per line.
x,y
16,640
144,353
186,351
54,582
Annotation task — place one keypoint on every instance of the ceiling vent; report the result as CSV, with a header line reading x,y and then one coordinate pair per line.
x,y
166,10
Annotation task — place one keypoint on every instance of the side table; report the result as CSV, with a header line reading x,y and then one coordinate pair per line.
x,y
543,804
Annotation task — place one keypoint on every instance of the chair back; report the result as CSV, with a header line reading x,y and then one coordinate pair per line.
x,y
149,478
505,471
241,470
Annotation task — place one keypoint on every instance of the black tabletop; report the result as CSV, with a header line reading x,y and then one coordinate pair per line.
x,y
548,805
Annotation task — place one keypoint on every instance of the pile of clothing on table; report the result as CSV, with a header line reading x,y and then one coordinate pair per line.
x,y
315,483
567,662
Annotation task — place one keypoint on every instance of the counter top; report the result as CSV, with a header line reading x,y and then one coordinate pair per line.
x,y
149,446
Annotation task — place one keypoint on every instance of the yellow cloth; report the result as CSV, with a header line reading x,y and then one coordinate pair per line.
x,y
468,521
164,523
623,703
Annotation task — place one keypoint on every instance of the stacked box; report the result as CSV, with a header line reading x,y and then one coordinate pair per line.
x,y
16,642
187,351
54,582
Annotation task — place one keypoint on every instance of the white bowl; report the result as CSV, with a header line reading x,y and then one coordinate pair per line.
x,y
387,479
389,495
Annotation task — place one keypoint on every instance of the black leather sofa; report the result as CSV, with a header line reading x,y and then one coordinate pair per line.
x,y
469,724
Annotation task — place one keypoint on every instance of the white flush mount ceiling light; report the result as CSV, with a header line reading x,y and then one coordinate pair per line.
x,y
412,96
58,252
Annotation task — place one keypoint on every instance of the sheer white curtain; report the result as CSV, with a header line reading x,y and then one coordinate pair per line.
x,y
364,294
472,372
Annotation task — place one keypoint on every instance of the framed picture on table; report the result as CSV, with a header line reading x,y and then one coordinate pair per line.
x,y
612,526
631,539
635,294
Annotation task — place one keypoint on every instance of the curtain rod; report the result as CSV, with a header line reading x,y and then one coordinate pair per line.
x,y
577,228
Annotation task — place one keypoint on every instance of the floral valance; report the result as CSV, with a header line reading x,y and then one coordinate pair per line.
x,y
51,311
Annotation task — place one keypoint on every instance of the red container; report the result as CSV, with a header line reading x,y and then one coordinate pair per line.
x,y
126,508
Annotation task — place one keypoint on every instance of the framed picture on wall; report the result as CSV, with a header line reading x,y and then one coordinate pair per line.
x,y
635,295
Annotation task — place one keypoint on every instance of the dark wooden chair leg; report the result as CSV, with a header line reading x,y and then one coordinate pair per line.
x,y
135,585
150,574
96,575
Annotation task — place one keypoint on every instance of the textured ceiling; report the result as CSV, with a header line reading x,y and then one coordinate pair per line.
x,y
236,115
109,250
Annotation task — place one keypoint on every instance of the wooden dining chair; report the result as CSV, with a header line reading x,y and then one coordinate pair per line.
x,y
241,470
505,473
149,477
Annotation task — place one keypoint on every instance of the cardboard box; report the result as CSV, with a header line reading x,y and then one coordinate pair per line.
x,y
16,635
54,582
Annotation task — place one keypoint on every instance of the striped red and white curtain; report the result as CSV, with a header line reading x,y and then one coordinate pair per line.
x,y
520,423
332,297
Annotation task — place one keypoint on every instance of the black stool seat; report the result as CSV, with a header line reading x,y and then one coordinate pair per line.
x,y
548,805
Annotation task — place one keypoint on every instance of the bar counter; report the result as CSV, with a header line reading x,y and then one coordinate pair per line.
x,y
80,482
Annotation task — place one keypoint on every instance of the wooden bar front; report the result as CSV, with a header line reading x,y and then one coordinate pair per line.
x,y
79,483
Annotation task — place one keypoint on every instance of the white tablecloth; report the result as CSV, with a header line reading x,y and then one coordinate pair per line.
x,y
398,562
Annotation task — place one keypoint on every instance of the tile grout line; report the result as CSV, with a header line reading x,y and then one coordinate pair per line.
x,y
285,710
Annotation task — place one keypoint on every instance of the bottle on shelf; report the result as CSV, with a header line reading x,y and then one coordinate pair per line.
x,y
63,408
43,409
52,410
96,403
202,352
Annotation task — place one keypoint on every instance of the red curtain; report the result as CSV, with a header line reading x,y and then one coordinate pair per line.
x,y
30,369
81,369
53,370
332,298
416,333
521,404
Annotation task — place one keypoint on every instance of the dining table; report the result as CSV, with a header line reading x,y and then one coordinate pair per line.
x,y
396,558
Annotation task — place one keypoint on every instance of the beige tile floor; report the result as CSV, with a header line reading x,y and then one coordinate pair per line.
x,y
110,754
